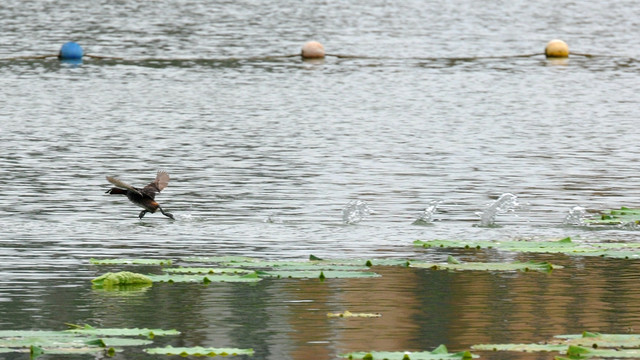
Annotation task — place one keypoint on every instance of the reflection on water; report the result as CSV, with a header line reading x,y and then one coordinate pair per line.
x,y
421,308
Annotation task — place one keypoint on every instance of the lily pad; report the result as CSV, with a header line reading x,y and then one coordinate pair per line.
x,y
349,314
495,266
121,278
597,340
615,217
86,340
578,352
440,353
520,347
313,262
173,278
161,262
217,259
150,333
565,246
198,351
311,274
207,270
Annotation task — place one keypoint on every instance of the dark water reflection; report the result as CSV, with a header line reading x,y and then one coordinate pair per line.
x,y
421,308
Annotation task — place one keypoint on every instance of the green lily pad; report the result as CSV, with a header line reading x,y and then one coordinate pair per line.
x,y
217,259
311,274
520,347
495,266
198,351
597,340
578,352
615,217
440,353
313,262
174,278
565,246
76,341
161,262
121,278
150,333
349,314
26,339
207,270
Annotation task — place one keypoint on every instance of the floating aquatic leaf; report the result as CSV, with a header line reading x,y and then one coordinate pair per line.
x,y
121,278
615,217
25,339
566,246
207,270
330,274
161,262
217,259
313,262
495,266
77,341
349,314
597,340
579,346
520,347
578,352
173,278
440,353
35,351
150,333
198,351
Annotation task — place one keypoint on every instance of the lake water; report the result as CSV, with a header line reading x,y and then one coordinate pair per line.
x,y
265,152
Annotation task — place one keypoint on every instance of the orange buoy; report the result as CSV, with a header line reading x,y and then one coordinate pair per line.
x,y
557,49
312,50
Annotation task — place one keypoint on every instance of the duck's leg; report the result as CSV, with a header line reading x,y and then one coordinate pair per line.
x,y
142,213
169,215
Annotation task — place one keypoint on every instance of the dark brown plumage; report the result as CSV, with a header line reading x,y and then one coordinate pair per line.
x,y
145,197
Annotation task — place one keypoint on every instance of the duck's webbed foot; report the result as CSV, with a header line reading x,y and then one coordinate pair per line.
x,y
142,213
169,215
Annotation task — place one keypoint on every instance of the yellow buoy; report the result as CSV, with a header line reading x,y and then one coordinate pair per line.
x,y
557,49
312,50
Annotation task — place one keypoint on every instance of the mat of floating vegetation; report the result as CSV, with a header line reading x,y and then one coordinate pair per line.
x,y
615,217
84,340
440,353
160,262
128,279
454,264
238,269
579,346
564,246
198,351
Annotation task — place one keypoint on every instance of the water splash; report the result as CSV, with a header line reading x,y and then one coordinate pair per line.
x,y
273,219
355,211
576,216
426,218
505,203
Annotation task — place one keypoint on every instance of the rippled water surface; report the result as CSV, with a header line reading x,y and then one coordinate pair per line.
x,y
266,153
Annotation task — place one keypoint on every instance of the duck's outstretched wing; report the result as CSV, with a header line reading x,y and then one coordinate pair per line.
x,y
122,184
161,182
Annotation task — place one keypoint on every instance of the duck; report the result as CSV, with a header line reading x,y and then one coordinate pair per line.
x,y
145,197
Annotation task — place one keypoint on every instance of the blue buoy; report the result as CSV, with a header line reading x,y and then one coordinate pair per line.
x,y
70,51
